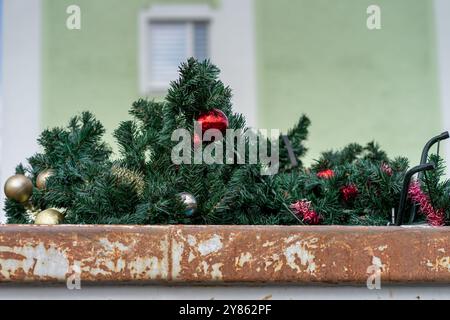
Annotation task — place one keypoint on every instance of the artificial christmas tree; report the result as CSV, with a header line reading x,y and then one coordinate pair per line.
x,y
77,176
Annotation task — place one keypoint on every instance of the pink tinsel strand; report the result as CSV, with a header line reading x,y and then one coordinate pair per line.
x,y
387,169
303,210
434,217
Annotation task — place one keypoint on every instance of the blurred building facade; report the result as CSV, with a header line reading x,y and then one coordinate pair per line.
x,y
282,58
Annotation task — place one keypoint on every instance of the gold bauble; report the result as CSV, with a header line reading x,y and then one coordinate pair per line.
x,y
41,180
134,178
19,188
49,216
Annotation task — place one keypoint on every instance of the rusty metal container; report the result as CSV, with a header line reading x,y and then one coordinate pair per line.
x,y
224,254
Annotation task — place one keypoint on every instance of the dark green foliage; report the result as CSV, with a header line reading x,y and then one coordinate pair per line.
x,y
142,185
438,189
297,136
350,154
366,168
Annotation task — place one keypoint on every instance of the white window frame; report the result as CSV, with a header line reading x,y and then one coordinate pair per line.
x,y
167,13
232,47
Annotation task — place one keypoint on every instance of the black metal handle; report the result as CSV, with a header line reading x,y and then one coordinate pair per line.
x,y
406,183
423,159
430,143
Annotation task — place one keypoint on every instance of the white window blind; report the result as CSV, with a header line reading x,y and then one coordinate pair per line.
x,y
172,42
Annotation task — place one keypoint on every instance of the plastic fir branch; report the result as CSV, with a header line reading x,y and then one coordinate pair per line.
x,y
141,185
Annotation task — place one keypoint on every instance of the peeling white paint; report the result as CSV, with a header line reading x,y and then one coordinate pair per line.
x,y
115,266
268,243
278,265
191,240
38,260
209,246
164,246
141,267
160,267
243,259
382,248
97,271
443,263
205,266
148,267
300,250
121,265
268,261
112,245
177,256
216,273
290,239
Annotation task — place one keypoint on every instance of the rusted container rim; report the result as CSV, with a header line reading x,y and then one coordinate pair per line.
x,y
224,254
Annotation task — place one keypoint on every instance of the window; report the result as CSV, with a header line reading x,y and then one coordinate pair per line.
x,y
169,37
172,43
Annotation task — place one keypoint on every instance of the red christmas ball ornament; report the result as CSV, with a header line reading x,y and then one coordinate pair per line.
x,y
349,192
325,174
213,119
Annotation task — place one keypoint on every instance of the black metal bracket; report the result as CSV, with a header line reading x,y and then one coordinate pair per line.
x,y
423,160
406,182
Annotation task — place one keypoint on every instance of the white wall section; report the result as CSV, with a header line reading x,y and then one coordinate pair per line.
x,y
233,49
442,10
21,84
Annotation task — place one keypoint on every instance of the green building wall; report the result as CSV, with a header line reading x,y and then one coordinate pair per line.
x,y
313,56
95,68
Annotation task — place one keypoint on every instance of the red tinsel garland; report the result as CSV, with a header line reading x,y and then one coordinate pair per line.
x,y
349,192
325,174
434,217
387,169
304,211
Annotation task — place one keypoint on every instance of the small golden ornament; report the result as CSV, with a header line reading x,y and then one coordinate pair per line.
x,y
49,216
134,178
19,188
41,180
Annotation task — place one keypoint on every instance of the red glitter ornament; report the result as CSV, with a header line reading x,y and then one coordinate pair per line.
x,y
213,119
325,174
349,192
304,211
